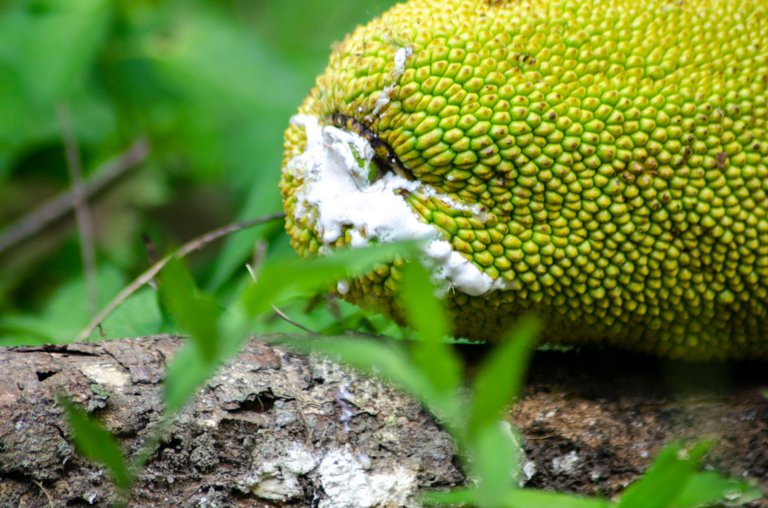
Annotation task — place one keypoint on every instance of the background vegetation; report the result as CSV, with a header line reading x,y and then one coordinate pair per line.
x,y
209,85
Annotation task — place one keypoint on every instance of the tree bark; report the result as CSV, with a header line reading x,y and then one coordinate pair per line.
x,y
274,428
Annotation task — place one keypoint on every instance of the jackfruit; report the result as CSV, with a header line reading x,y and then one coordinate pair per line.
x,y
603,163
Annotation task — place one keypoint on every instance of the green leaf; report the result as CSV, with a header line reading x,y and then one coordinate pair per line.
x,y
517,498
427,316
500,378
139,315
189,370
210,57
705,488
494,457
184,375
65,313
51,43
666,479
97,444
257,151
528,498
196,313
281,280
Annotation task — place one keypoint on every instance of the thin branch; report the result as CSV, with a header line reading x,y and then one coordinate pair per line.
x,y
282,315
45,491
80,204
149,274
50,211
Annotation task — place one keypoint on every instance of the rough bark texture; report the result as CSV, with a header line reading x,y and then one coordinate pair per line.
x,y
277,429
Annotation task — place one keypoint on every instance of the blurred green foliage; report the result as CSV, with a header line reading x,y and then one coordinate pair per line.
x,y
210,85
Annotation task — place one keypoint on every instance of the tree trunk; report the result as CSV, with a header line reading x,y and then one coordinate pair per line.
x,y
274,428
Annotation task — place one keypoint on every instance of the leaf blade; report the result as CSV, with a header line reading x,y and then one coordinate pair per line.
x,y
94,442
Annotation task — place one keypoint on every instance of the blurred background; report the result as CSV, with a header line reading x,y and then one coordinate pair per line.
x,y
177,110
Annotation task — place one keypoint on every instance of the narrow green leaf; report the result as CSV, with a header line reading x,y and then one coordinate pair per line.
x,y
494,458
97,444
427,316
184,375
280,280
195,312
189,370
666,479
425,313
500,378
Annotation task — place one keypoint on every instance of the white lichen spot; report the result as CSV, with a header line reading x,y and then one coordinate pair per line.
x,y
270,483
336,195
529,470
106,374
279,480
566,464
347,484
300,459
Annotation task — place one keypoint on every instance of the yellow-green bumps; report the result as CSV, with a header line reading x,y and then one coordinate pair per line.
x,y
618,149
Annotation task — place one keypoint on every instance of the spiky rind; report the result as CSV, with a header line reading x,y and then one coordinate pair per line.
x,y
617,148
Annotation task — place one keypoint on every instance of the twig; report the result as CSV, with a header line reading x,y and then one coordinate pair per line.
x,y
45,491
282,315
80,204
189,247
54,209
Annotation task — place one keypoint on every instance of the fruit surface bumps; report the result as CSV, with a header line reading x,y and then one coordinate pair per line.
x,y
618,149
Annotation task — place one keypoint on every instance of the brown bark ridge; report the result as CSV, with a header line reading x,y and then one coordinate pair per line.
x,y
274,428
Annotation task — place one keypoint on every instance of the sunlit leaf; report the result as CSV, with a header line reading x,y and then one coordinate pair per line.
x,y
65,313
139,315
207,55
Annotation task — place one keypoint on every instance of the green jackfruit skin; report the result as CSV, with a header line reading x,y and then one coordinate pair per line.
x,y
619,149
